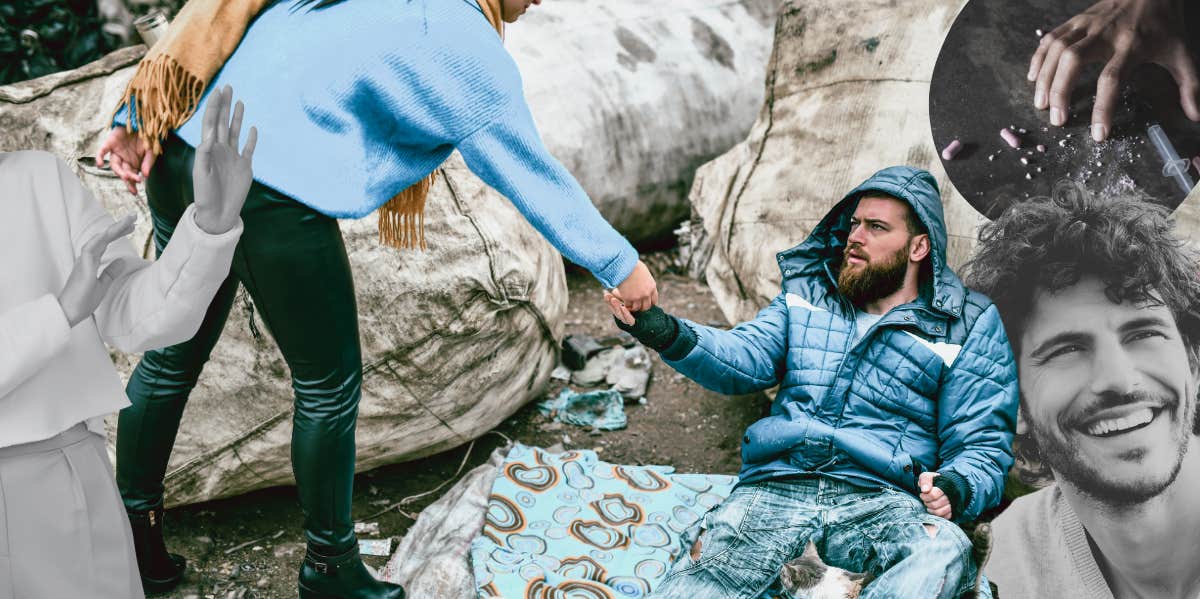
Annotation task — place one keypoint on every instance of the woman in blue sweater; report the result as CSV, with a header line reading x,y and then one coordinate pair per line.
x,y
356,100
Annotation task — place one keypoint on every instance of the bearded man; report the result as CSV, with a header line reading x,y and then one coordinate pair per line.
x,y
895,414
1101,298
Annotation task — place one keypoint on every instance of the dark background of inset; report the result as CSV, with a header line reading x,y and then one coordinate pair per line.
x,y
979,87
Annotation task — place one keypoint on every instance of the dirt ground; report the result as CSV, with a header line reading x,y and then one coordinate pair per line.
x,y
251,546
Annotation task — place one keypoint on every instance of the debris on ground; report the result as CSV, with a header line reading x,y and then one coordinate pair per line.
x,y
366,528
595,371
602,410
630,375
381,547
561,373
578,349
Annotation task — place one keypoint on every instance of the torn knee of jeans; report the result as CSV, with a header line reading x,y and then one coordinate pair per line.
x,y
698,545
931,530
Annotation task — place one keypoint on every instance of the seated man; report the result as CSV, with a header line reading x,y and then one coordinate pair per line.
x,y
896,407
1103,305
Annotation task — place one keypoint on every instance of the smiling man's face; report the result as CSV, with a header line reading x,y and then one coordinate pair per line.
x,y
1108,391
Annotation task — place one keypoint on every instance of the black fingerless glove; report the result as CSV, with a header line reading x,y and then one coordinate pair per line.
x,y
654,328
957,490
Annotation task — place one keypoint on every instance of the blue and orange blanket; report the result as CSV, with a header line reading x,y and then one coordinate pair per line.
x,y
571,524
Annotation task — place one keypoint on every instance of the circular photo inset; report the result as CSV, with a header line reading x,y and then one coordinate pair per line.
x,y
1029,92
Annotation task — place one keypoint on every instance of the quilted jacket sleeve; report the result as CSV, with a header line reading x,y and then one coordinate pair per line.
x,y
747,358
977,413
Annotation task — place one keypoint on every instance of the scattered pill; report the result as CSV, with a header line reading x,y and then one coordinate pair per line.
x,y
951,150
1022,131
991,156
1028,176
1098,163
1041,148
1011,138
1024,160
1062,143
1039,169
1039,33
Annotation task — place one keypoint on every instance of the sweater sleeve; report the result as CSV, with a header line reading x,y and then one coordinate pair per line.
x,y
30,335
151,304
508,154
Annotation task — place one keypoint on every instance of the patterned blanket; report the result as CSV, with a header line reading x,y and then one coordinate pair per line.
x,y
569,524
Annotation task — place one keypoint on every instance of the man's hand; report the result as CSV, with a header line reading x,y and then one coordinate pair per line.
x,y
935,500
618,309
130,156
1123,34
221,177
85,287
636,293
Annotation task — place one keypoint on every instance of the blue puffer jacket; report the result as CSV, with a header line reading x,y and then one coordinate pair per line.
x,y
931,386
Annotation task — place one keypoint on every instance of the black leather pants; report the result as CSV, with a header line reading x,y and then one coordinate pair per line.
x,y
292,261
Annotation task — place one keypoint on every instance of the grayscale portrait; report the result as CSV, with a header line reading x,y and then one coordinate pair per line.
x,y
1099,298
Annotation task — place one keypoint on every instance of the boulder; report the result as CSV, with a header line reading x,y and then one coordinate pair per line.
x,y
633,96
847,89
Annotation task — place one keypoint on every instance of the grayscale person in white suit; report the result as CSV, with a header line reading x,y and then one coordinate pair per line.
x,y
71,283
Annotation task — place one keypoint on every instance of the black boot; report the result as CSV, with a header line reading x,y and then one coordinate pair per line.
x,y
341,576
161,571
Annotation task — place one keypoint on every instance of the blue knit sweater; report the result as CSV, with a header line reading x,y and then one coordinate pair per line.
x,y
356,102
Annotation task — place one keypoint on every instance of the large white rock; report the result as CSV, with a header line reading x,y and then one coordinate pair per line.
x,y
632,96
846,94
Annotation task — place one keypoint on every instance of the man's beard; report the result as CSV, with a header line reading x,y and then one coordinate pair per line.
x,y
870,281
1071,465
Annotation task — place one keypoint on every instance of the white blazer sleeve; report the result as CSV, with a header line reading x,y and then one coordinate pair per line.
x,y
153,304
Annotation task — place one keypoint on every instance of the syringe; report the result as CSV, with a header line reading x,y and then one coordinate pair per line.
x,y
1173,165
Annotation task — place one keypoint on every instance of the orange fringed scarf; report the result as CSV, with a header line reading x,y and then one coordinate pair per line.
x,y
166,89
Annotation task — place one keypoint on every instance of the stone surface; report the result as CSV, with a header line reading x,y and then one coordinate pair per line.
x,y
632,96
846,95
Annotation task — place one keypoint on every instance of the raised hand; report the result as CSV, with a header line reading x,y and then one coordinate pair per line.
x,y
1123,34
86,287
221,176
130,156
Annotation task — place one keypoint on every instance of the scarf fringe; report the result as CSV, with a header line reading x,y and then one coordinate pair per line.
x,y
402,218
161,97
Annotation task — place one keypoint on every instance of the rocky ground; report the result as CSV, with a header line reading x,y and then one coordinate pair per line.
x,y
251,546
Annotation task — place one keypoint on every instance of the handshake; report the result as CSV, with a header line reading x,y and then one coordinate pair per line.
x,y
637,293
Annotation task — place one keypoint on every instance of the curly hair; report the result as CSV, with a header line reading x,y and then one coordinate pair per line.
x,y
1050,243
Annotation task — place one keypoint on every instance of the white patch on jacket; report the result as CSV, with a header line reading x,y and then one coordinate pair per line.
x,y
795,301
948,352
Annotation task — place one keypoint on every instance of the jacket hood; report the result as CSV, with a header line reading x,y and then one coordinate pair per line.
x,y
821,252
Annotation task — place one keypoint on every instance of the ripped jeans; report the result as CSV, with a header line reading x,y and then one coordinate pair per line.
x,y
744,541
